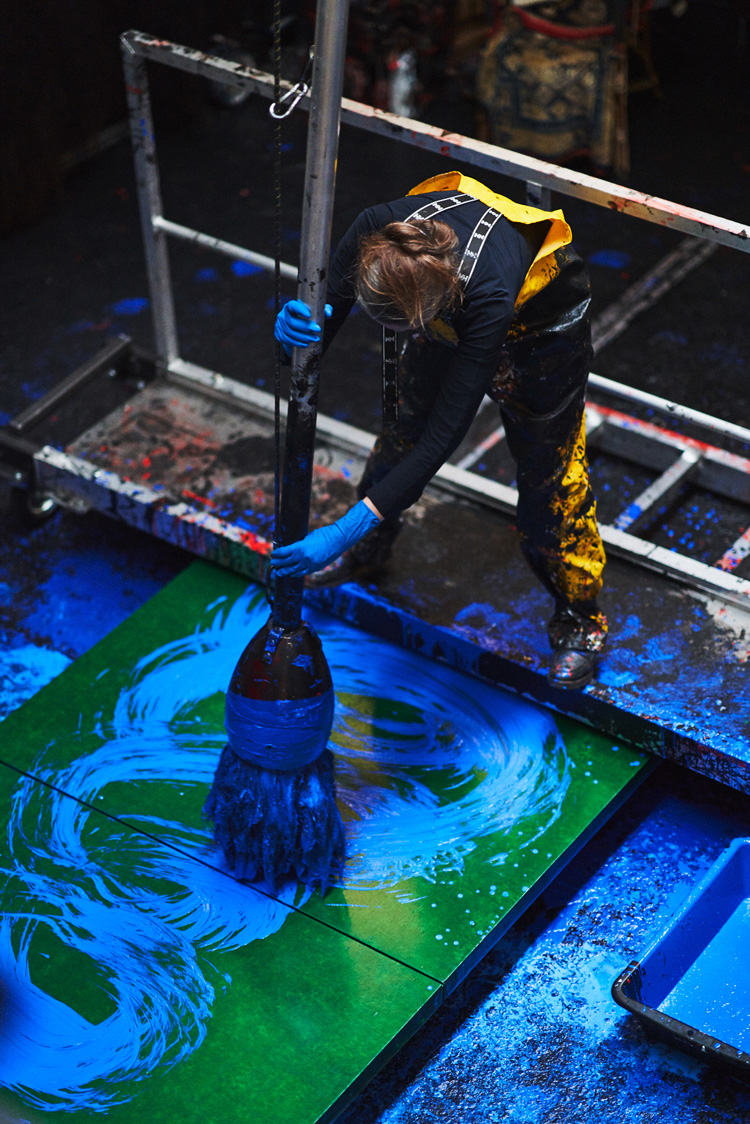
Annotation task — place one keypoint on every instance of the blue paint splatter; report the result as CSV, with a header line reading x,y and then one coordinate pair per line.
x,y
33,390
245,269
131,306
24,671
629,628
611,259
618,668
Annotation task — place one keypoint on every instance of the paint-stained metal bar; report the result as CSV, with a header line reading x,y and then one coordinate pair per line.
x,y
491,157
107,357
738,551
671,409
653,447
149,200
81,486
613,321
642,508
219,246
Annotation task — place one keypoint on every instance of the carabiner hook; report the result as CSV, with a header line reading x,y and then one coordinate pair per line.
x,y
301,89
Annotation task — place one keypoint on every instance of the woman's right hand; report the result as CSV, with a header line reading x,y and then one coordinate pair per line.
x,y
295,326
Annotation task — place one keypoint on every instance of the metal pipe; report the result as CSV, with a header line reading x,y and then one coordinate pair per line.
x,y
671,409
641,510
219,246
149,201
317,218
109,356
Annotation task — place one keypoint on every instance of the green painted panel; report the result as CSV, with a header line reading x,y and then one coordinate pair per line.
x,y
139,982
460,799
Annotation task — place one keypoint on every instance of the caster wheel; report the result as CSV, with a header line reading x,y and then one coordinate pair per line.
x,y
31,507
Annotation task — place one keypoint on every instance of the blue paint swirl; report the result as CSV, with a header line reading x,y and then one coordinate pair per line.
x,y
146,927
149,922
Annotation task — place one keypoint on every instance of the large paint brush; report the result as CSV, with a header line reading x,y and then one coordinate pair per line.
x,y
273,800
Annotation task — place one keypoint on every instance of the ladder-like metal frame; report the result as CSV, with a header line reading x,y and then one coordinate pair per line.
x,y
676,458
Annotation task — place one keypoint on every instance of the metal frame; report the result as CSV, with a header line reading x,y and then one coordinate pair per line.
x,y
676,457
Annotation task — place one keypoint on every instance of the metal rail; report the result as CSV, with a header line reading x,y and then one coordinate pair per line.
x,y
538,176
478,153
719,468
79,484
644,506
219,246
108,356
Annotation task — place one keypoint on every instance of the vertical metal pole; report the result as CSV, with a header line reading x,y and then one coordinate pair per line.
x,y
538,196
149,201
317,214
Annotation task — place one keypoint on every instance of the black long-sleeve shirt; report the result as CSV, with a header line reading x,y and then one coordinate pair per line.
x,y
480,323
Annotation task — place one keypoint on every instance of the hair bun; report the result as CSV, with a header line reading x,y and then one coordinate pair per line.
x,y
421,236
408,271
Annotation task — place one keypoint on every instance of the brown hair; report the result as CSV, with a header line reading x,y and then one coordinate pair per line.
x,y
408,271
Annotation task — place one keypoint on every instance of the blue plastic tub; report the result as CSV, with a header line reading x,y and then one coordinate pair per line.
x,y
692,986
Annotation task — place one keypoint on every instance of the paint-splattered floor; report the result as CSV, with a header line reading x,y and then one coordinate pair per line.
x,y
533,1037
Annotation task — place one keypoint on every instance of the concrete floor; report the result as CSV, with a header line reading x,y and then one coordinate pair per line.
x,y
532,1037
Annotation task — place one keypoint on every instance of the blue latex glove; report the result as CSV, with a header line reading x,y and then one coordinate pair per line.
x,y
322,545
295,326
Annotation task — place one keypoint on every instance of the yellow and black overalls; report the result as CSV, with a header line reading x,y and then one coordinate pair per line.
x,y
540,388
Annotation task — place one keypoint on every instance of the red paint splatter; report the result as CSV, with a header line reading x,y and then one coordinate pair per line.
x,y
648,427
199,499
260,546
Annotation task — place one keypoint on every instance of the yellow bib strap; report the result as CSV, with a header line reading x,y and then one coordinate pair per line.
x,y
544,267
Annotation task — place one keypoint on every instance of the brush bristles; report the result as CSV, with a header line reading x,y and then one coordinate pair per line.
x,y
274,826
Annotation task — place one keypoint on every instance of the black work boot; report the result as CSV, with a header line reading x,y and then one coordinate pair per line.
x,y
576,635
364,560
